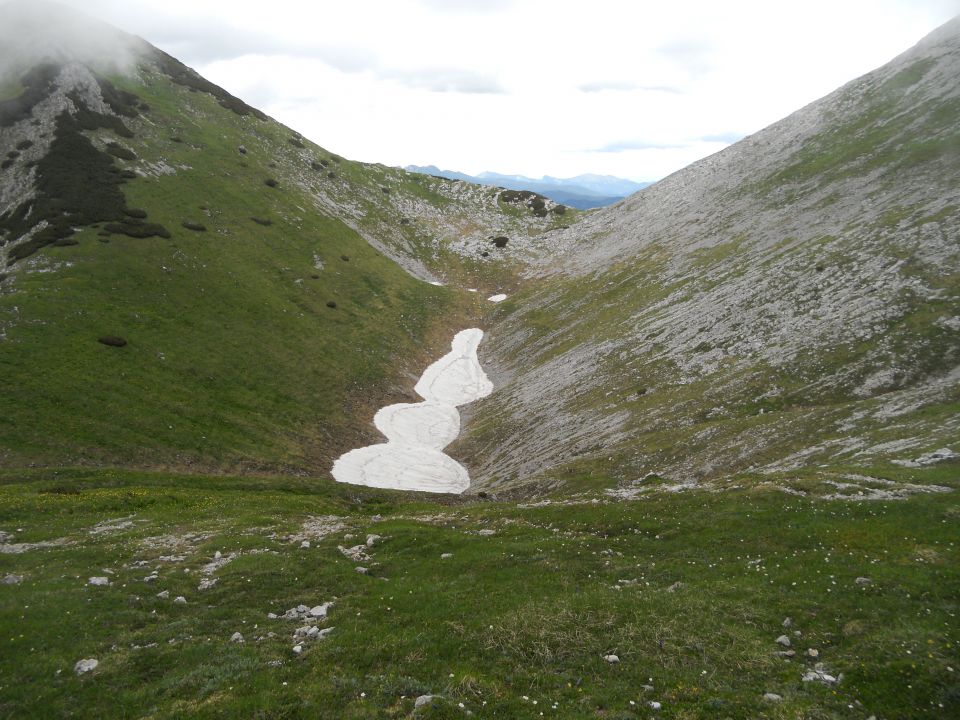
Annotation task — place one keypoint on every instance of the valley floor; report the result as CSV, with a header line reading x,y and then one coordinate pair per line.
x,y
710,601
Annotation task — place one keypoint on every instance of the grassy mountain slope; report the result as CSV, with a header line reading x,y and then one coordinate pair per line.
x,y
790,303
236,260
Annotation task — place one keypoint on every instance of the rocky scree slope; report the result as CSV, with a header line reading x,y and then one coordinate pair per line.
x,y
225,265
789,302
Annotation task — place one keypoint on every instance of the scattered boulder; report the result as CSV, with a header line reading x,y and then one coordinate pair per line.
x,y
84,666
487,532
362,570
236,638
676,586
813,653
863,581
445,556
100,580
820,674
424,700
11,579
772,697
371,539
612,659
787,622
784,641
163,595
304,544
180,600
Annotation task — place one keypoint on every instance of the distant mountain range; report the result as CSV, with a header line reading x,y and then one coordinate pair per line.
x,y
582,192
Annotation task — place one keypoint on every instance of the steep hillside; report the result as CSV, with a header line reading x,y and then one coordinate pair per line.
x,y
247,270
787,306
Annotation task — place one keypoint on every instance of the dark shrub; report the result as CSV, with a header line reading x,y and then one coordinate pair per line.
x,y
196,227
13,154
138,213
559,209
270,182
324,162
484,254
127,174
385,190
316,166
138,229
262,221
242,150
314,276
500,242
65,241
331,304
24,144
345,258
5,164
296,142
821,267
331,175
118,150
112,341
176,139
404,221
182,75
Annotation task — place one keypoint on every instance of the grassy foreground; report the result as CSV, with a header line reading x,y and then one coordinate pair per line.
x,y
514,623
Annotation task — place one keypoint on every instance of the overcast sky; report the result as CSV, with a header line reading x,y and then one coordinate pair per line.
x,y
622,87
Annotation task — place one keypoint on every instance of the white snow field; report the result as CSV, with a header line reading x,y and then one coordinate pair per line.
x,y
412,457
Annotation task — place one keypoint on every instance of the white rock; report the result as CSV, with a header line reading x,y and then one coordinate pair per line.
x,y
324,633
320,611
787,622
164,594
499,297
85,666
11,579
783,640
813,653
236,638
304,544
362,570
863,581
98,581
772,697
612,659
271,616
217,555
180,600
445,556
425,700
487,532
371,539
297,649
654,705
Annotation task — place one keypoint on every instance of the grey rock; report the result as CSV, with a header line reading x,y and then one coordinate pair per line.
x,y
297,649
100,581
772,697
236,638
863,581
12,579
676,586
304,544
788,654
445,556
271,616
371,539
612,659
787,622
813,653
163,594
487,532
84,666
362,570
180,600
423,700
784,641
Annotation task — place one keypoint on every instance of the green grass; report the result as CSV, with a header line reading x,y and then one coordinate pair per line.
x,y
524,615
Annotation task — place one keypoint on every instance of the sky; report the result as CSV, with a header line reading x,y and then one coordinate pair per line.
x,y
630,88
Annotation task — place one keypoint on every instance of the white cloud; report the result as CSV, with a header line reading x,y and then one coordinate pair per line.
x,y
529,86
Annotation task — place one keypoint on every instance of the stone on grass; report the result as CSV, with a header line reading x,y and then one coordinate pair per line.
x,y
863,581
783,640
425,700
772,697
787,622
320,611
98,581
11,579
297,649
612,659
487,532
676,586
371,539
362,570
787,654
85,666
236,638
305,544
180,600
654,705
444,556
163,595
813,653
